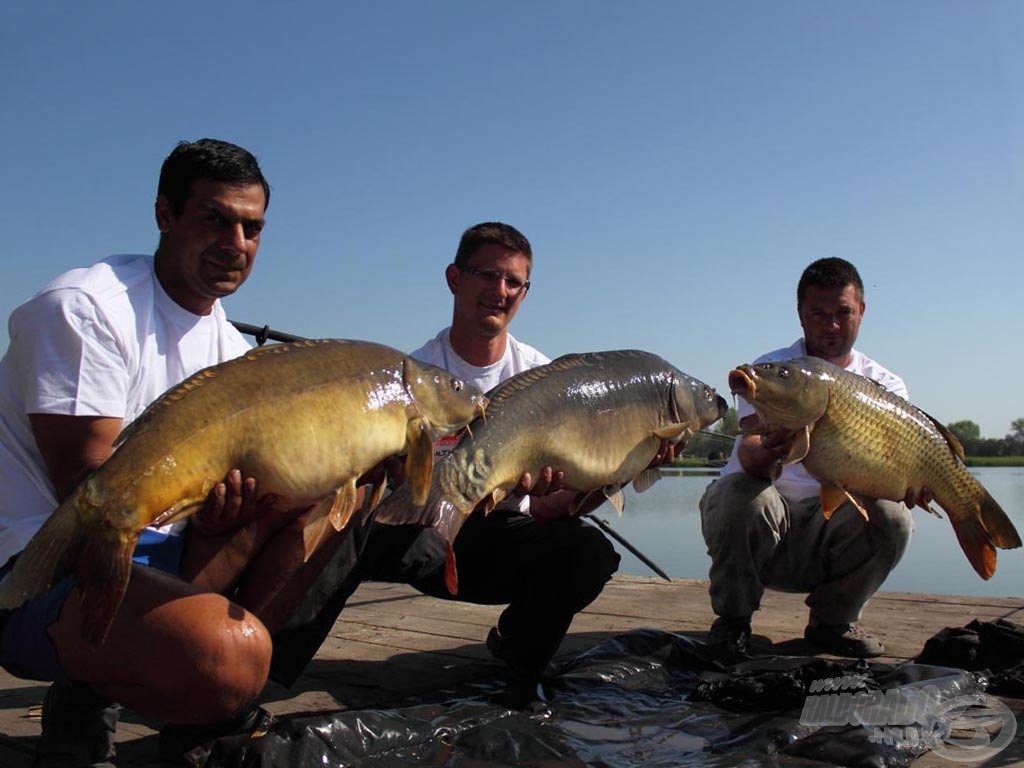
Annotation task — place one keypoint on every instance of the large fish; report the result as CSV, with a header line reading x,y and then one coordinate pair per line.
x,y
858,439
306,419
600,417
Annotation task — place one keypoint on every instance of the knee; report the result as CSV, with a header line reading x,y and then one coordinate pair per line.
x,y
230,664
735,502
893,520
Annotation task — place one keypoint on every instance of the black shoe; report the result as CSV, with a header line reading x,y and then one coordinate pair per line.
x,y
78,728
844,640
497,646
192,743
728,638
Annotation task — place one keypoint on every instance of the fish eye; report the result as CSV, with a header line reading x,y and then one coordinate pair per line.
x,y
457,385
783,373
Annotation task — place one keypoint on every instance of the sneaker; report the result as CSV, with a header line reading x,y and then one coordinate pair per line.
x,y
729,638
844,640
191,744
78,728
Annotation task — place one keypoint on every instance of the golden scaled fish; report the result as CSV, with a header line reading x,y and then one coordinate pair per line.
x,y
600,417
306,419
857,438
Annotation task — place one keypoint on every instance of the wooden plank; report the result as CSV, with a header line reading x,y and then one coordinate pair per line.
x,y
392,643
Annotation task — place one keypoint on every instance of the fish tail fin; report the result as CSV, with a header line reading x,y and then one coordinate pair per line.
x,y
998,524
102,578
47,558
976,544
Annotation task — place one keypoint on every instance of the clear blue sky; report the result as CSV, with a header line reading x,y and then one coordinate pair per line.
x,y
675,165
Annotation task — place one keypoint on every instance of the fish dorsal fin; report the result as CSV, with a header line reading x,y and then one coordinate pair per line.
x,y
800,446
954,442
646,479
419,459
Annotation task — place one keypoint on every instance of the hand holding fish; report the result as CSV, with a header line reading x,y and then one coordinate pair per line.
x,y
763,453
230,506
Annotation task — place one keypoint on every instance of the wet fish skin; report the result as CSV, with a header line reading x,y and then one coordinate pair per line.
x,y
306,419
600,417
859,439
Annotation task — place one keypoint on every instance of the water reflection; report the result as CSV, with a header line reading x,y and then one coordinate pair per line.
x,y
664,524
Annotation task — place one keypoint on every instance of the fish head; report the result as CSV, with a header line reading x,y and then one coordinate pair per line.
x,y
695,403
790,394
446,402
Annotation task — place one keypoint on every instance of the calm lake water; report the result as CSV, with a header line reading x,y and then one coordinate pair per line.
x,y
664,524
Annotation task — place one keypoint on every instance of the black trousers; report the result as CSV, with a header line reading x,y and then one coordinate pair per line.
x,y
545,572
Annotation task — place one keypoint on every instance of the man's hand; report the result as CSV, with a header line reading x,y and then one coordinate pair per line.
x,y
231,505
763,454
549,481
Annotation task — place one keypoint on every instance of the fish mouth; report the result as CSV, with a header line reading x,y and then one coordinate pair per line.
x,y
742,383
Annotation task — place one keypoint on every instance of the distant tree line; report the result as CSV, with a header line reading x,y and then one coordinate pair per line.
x,y
969,435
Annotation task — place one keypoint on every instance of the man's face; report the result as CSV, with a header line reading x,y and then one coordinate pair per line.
x,y
485,299
208,250
831,319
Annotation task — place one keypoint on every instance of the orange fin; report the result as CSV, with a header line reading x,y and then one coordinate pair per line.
x,y
832,497
451,572
419,460
976,544
998,524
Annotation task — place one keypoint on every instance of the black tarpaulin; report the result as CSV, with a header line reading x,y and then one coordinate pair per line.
x,y
645,698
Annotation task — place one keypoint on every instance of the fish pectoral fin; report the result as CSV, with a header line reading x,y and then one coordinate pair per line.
x,y
800,447
832,497
614,495
419,459
181,510
675,432
646,479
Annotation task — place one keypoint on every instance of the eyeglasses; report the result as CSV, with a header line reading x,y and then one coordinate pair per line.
x,y
492,276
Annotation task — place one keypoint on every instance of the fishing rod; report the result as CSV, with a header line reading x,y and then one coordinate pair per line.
x,y
265,334
262,335
604,526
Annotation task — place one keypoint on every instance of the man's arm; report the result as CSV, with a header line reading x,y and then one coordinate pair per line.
x,y
73,446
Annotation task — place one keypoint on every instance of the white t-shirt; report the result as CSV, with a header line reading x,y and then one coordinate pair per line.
x,y
795,483
104,340
518,357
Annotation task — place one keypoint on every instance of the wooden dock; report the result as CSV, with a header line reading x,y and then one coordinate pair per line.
x,y
392,643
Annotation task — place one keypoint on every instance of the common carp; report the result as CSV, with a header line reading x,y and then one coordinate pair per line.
x,y
858,439
600,417
305,419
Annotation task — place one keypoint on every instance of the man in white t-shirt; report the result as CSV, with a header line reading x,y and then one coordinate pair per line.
x,y
762,522
87,354
528,552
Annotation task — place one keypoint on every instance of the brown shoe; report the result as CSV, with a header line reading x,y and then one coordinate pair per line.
x,y
844,640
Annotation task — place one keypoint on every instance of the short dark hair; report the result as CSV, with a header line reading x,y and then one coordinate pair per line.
x,y
209,159
495,232
831,272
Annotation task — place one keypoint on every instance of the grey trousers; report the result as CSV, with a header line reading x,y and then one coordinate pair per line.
x,y
757,539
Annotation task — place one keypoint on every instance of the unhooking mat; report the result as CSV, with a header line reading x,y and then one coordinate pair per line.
x,y
655,699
